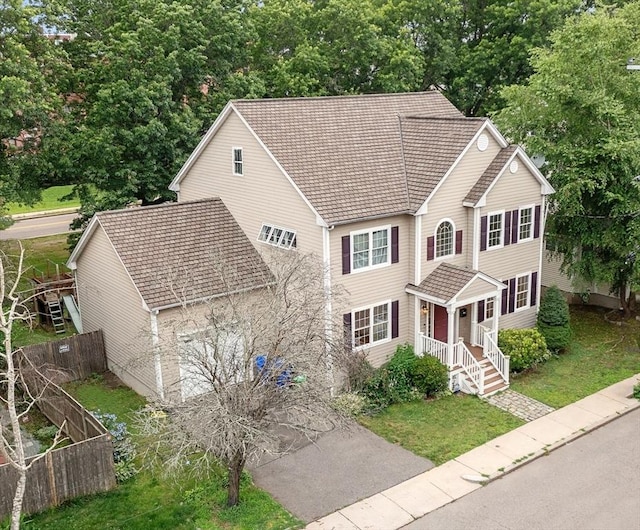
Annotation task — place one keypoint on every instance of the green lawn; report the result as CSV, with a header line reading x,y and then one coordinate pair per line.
x,y
51,200
600,355
41,253
441,429
149,501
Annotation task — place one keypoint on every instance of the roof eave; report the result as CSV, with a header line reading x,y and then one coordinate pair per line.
x,y
86,235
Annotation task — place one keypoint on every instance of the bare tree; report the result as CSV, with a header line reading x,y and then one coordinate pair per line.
x,y
254,363
18,403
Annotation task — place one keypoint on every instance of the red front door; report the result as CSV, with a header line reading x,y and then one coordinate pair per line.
x,y
440,320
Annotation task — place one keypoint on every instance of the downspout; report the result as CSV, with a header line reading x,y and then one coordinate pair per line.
x,y
155,342
475,251
543,223
417,267
328,304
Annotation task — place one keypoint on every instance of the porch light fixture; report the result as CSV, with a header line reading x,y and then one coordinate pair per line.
x,y
424,309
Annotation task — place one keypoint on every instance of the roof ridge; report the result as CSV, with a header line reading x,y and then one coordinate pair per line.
x,y
341,96
446,118
167,204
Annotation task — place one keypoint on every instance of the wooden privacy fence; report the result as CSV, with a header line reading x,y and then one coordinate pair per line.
x,y
82,468
71,358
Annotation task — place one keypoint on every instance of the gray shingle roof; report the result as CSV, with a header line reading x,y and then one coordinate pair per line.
x,y
173,251
445,281
346,154
490,174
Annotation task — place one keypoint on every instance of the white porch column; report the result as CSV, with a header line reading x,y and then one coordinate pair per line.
x,y
474,323
497,311
451,313
416,324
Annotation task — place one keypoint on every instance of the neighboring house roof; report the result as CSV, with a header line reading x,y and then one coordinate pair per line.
x,y
174,252
447,280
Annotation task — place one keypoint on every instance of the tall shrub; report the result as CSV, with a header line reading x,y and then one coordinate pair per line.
x,y
554,320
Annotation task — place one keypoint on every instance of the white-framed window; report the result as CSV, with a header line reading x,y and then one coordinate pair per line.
x,y
371,325
525,223
489,308
445,239
370,248
523,287
278,237
238,161
495,229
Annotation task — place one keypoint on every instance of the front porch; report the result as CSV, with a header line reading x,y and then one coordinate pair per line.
x,y
473,369
456,320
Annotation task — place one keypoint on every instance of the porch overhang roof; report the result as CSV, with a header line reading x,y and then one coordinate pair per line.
x,y
452,285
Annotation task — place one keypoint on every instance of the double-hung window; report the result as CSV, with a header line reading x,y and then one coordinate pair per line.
x,y
522,292
370,249
525,230
238,161
489,308
495,230
371,324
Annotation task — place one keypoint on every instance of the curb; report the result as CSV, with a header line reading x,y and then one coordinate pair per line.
x,y
545,451
46,213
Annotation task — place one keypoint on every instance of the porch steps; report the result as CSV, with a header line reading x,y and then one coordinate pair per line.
x,y
493,381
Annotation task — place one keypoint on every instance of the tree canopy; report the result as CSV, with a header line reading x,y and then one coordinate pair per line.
x,y
581,110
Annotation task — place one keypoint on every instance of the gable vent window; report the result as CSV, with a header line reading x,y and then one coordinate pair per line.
x,y
238,162
278,237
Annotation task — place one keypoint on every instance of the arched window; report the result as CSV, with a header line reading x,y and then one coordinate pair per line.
x,y
444,239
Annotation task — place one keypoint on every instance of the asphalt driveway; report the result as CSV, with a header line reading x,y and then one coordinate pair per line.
x,y
340,468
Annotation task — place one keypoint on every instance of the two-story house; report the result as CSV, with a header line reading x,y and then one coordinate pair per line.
x,y
431,221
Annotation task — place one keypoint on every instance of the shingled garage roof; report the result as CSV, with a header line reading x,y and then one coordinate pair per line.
x,y
445,281
431,146
170,251
345,153
490,174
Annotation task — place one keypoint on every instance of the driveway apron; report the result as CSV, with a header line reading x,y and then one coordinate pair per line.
x,y
338,469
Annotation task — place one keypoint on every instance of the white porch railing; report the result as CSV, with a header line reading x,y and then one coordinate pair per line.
x,y
492,352
436,348
469,365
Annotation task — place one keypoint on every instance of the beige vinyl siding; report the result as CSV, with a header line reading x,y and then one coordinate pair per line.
x,y
446,203
510,192
477,288
552,275
109,301
521,319
379,285
261,195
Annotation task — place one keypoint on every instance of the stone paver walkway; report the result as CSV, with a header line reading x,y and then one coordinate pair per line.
x,y
523,407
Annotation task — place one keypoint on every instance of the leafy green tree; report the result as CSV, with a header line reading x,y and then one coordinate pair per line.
x,y
554,319
581,110
148,79
332,47
29,103
493,42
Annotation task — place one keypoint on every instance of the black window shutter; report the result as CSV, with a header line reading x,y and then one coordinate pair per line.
x,y
505,298
346,254
346,319
507,228
534,288
515,226
512,295
458,241
430,247
395,250
394,319
480,311
536,222
483,232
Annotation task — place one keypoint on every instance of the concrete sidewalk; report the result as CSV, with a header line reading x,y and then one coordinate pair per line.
x,y
400,505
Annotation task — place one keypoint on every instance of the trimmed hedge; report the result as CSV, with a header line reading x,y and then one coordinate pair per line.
x,y
525,347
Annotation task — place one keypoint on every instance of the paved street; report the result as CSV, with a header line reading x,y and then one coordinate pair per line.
x,y
41,226
592,483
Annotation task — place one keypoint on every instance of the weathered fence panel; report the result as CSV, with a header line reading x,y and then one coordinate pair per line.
x,y
71,358
86,466
83,468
